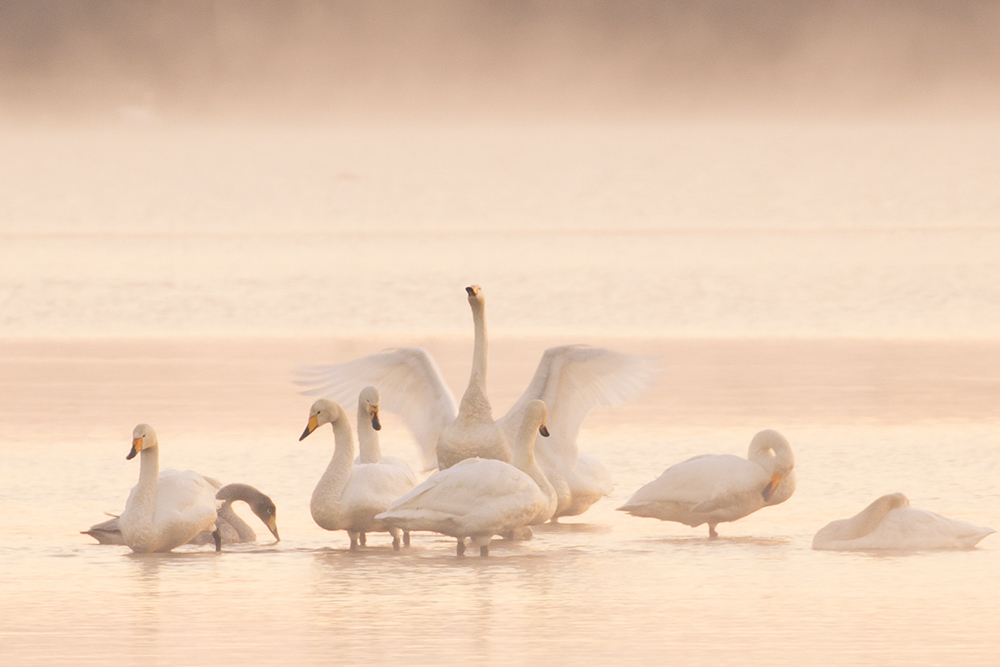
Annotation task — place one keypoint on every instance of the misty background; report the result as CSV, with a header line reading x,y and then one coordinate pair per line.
x,y
308,58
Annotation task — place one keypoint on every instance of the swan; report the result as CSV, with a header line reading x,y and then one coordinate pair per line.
x,y
349,495
890,523
473,432
231,527
370,453
570,379
165,510
716,488
478,498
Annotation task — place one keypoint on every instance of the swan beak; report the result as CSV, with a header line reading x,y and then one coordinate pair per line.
x,y
136,448
543,430
310,427
771,486
376,424
272,525
473,290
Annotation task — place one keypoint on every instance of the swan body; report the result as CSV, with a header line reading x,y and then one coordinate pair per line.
x,y
478,498
714,489
889,523
165,510
570,379
349,494
231,527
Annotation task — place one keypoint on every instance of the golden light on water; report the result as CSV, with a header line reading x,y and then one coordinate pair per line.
x,y
792,208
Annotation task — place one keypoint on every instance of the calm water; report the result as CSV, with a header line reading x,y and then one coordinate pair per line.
x,y
839,284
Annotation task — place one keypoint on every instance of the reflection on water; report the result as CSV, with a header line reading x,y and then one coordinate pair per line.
x,y
598,589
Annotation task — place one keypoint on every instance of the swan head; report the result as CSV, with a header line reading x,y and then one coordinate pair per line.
x,y
266,511
368,405
771,450
475,295
321,412
535,417
143,437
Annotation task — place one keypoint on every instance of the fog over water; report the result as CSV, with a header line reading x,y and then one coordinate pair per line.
x,y
791,207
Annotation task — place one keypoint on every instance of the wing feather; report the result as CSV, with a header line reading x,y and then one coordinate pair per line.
x,y
408,382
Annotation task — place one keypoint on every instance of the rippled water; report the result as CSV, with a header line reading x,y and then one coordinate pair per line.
x,y
853,308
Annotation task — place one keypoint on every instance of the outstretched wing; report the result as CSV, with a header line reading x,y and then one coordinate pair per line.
x,y
572,380
408,382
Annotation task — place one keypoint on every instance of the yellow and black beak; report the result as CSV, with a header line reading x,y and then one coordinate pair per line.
x,y
136,448
543,430
473,290
771,486
310,427
272,525
376,424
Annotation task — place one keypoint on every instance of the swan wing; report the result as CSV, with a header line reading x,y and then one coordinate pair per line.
x,y
704,482
187,498
572,380
906,529
408,381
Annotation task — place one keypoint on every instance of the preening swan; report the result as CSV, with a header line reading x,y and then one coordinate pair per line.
x,y
890,523
349,495
570,379
231,527
165,510
714,489
479,498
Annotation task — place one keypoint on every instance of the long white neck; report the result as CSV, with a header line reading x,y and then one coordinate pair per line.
x,y
524,456
475,399
149,475
338,473
369,450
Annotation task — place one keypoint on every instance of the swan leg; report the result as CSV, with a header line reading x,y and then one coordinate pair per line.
x,y
217,536
484,550
406,538
354,540
460,550
395,538
361,539
711,531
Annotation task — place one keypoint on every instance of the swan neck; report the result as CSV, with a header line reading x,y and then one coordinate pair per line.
x,y
338,472
479,353
227,514
369,450
149,473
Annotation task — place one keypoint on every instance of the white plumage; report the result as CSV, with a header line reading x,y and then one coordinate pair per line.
x,y
349,494
165,510
570,379
478,498
889,523
714,489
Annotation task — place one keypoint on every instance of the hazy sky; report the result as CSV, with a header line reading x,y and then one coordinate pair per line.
x,y
510,56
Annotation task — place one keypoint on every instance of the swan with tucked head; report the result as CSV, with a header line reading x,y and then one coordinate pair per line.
x,y
349,495
714,489
889,523
165,510
231,527
478,498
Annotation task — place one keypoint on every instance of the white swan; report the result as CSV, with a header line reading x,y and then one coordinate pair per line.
x,y
231,527
478,498
570,379
890,523
713,489
348,496
394,482
473,433
165,510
